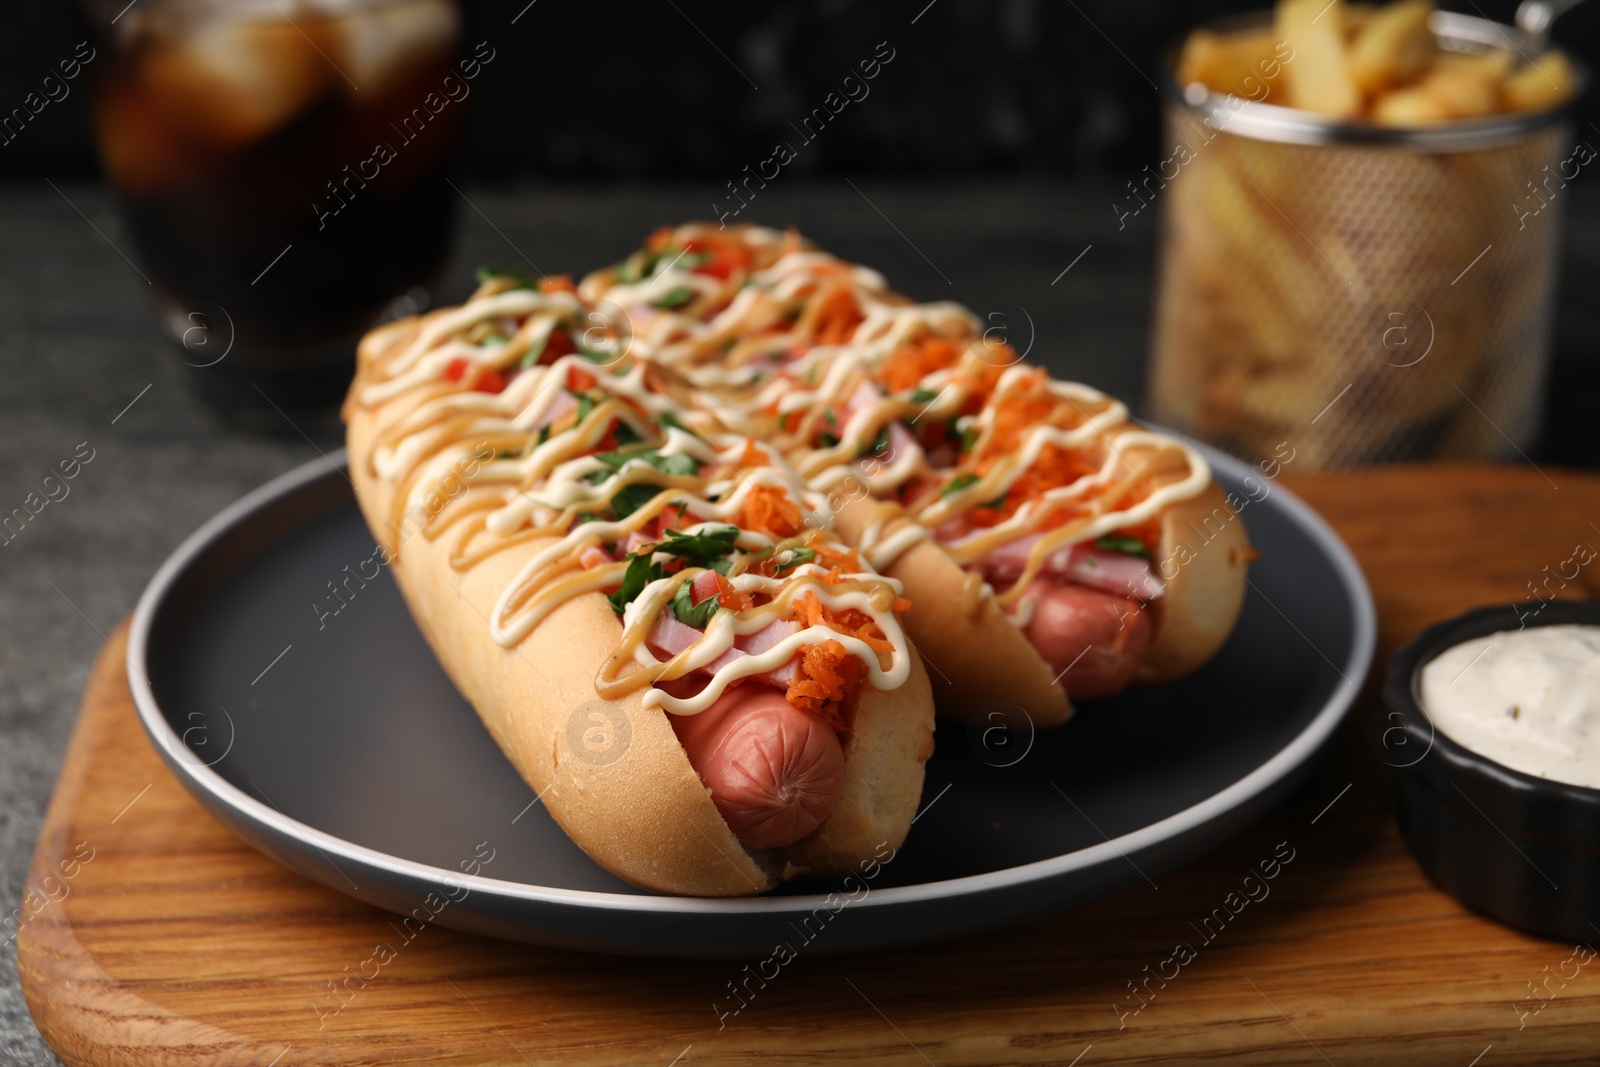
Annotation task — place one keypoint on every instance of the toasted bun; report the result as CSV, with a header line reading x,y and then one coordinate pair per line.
x,y
979,663
1204,554
635,805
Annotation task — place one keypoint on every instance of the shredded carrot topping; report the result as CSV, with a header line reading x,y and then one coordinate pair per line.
x,y
831,317
838,559
770,511
1055,467
810,611
828,678
914,361
1018,411
752,456
557,283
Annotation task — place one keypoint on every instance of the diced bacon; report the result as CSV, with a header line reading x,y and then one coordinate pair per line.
x,y
670,636
768,636
556,409
901,443
865,396
1006,562
1113,572
783,676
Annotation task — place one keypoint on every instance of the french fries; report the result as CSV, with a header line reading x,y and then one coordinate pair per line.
x,y
1319,79
1393,46
1544,83
1379,64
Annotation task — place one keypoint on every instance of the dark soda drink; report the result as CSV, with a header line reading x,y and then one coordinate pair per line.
x,y
282,166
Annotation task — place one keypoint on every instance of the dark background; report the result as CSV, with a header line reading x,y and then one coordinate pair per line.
x,y
663,93
583,90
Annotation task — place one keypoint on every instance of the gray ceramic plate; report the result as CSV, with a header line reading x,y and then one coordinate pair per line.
x,y
334,743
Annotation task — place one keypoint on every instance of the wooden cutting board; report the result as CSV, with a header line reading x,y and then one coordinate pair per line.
x,y
170,941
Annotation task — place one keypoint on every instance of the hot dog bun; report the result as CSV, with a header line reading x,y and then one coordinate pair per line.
x,y
983,659
635,804
979,661
1205,552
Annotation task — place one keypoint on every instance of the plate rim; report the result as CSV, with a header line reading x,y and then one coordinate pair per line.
x,y
1283,763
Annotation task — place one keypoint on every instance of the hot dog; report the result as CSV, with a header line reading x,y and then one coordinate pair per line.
x,y
582,559
774,772
1093,640
923,428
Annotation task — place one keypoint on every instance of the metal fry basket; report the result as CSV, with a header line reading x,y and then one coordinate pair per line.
x,y
1366,294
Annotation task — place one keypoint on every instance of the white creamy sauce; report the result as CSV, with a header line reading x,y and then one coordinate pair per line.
x,y
1528,699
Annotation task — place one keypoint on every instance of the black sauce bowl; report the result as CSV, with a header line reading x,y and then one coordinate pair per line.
x,y
1520,849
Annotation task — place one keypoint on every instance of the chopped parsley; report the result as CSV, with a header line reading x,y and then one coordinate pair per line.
x,y
827,440
625,434
544,433
531,356
1130,546
631,498
969,437
880,443
707,548
523,279
586,404
959,482
686,611
642,570
797,557
669,419
700,549
924,396
637,267
680,465
676,297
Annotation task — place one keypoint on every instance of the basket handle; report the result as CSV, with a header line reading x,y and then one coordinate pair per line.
x,y
1535,17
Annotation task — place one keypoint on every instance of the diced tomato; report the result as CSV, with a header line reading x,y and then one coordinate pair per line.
x,y
484,381
730,597
559,344
725,257
580,380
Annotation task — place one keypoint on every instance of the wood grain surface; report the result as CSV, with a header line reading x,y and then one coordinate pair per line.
x,y
151,935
